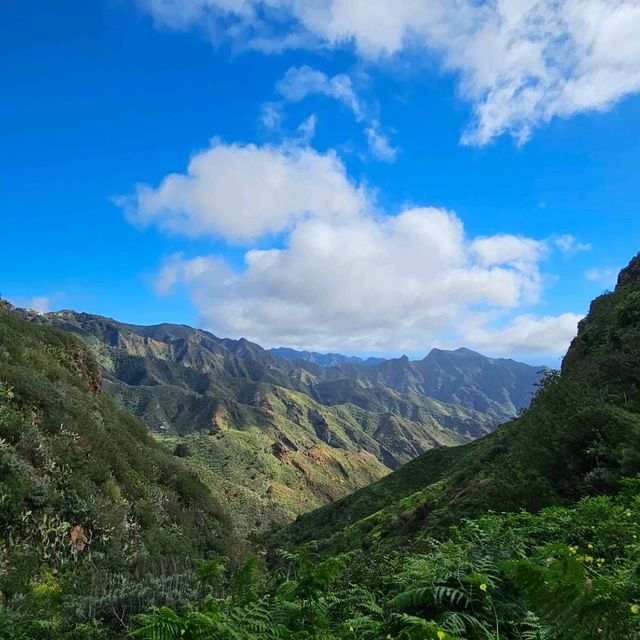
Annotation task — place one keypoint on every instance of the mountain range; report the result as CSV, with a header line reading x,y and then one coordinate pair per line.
x,y
580,437
276,437
323,359
529,531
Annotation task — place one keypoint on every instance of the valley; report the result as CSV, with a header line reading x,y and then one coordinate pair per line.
x,y
520,533
274,438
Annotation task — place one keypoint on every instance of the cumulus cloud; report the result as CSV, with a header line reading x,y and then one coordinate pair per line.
x,y
242,192
508,249
519,64
526,335
368,283
344,274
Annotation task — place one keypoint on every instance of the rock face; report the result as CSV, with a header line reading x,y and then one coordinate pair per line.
x,y
630,274
82,362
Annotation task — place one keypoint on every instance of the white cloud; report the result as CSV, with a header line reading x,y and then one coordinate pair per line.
x,y
42,304
526,335
379,145
242,192
307,128
569,245
508,249
271,115
391,283
603,277
300,82
344,275
519,64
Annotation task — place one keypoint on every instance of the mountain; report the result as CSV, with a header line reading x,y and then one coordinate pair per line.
x,y
528,532
580,437
286,436
196,361
86,494
495,386
323,359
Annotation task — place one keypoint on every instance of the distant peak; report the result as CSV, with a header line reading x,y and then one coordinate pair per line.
x,y
467,351
460,351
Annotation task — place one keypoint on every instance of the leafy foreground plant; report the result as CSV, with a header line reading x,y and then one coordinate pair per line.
x,y
571,573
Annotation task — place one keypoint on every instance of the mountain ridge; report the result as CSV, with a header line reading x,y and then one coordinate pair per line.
x,y
289,426
580,437
258,364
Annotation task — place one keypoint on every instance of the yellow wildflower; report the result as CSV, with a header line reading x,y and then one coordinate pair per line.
x,y
628,514
635,608
441,634
588,559
572,550
483,587
589,546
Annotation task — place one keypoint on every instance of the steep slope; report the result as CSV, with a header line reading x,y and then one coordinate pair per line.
x,y
580,437
196,369
85,493
282,437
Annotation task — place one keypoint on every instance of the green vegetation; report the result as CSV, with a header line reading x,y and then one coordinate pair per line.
x,y
568,573
580,436
95,516
531,533
273,439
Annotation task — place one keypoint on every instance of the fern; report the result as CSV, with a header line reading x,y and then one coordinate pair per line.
x,y
573,601
161,624
246,581
209,572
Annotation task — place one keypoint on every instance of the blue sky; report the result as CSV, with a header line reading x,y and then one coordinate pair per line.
x,y
358,185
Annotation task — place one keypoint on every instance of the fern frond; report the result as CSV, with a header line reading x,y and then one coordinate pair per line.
x,y
245,582
161,624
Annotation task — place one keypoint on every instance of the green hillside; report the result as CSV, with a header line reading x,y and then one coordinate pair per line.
x,y
530,533
580,437
88,500
274,438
